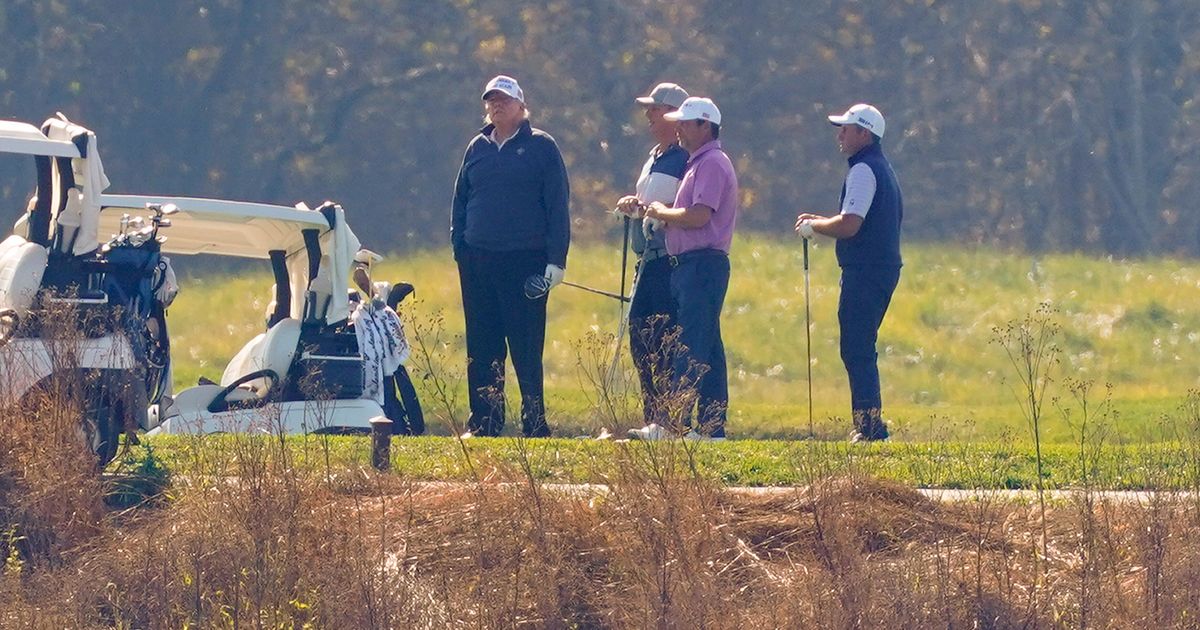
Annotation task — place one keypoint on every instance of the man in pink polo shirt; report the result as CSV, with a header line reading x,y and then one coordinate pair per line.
x,y
699,230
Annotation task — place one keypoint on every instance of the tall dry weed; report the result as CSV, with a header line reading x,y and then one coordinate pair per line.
x,y
256,538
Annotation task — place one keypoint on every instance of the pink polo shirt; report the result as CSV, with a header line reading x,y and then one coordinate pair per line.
x,y
709,180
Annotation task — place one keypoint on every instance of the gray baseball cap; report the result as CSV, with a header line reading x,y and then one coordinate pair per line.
x,y
665,94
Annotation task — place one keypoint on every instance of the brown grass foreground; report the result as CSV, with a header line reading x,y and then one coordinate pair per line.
x,y
258,544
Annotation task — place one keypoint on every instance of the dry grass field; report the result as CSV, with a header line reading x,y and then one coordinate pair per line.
x,y
260,541
269,531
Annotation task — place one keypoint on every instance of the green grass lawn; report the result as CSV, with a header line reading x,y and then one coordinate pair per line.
x,y
985,465
1131,324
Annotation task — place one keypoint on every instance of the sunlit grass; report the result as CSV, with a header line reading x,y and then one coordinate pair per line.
x,y
932,464
1130,323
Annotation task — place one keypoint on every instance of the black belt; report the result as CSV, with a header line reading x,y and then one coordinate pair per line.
x,y
696,253
653,254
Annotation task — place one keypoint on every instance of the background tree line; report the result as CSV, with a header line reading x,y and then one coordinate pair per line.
x,y
1038,124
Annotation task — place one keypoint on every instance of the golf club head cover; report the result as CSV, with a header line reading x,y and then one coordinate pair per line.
x,y
536,287
399,291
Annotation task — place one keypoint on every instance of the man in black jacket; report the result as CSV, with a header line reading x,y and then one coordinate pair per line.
x,y
509,223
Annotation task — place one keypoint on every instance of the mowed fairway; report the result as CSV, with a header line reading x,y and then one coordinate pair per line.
x,y
1131,324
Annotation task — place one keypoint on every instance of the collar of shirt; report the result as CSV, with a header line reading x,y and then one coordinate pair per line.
x,y
489,132
660,150
864,152
705,148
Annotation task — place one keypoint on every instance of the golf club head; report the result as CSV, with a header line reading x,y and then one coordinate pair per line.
x,y
536,287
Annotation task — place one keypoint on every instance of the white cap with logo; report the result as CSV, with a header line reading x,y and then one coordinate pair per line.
x,y
664,94
696,108
506,84
863,115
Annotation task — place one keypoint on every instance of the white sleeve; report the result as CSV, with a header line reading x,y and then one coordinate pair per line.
x,y
860,190
659,187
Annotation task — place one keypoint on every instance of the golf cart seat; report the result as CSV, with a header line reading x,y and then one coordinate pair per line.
x,y
269,356
21,267
255,374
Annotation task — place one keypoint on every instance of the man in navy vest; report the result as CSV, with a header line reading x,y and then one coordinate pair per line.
x,y
867,230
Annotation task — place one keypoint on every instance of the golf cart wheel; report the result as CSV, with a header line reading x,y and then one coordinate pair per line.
x,y
83,405
101,421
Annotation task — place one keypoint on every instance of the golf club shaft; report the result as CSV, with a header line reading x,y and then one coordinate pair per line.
x,y
623,326
624,255
596,291
808,340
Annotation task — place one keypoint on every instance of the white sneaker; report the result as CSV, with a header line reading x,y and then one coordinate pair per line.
x,y
696,436
604,435
649,432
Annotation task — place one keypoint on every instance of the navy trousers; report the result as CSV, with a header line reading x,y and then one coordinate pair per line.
x,y
651,318
866,293
698,283
501,321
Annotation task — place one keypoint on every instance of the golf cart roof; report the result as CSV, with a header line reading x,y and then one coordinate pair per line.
x,y
217,226
25,139
317,246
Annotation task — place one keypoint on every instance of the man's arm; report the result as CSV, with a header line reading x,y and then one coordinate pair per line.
x,y
458,208
707,187
839,226
556,196
659,187
694,216
860,190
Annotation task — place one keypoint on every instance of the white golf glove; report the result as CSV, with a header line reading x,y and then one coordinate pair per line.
x,y
554,275
806,229
650,225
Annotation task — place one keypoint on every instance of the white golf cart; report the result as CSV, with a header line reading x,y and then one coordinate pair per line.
x,y
65,327
303,373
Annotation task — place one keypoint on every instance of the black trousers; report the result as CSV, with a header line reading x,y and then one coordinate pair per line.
x,y
501,321
651,320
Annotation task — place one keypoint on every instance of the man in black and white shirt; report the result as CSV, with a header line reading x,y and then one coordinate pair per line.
x,y
652,310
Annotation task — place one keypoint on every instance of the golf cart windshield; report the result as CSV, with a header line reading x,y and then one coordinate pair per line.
x,y
312,251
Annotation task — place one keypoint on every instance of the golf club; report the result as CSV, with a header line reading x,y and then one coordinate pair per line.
x,y
612,366
614,296
537,286
808,340
624,314
624,256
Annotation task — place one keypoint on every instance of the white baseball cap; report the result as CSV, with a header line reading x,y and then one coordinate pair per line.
x,y
863,115
665,94
505,84
696,108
